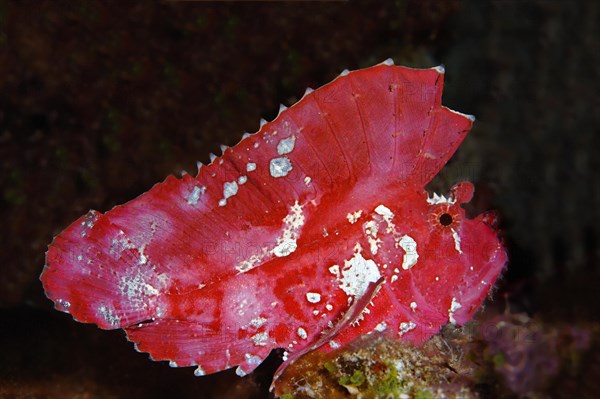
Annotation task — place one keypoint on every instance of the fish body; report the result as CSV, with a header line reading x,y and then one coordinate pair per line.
x,y
313,231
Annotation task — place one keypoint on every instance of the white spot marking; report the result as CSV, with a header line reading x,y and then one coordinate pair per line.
x,y
251,262
456,241
292,223
285,248
88,223
385,212
250,167
143,258
358,272
353,217
230,189
454,306
387,215
65,304
199,372
286,146
335,270
381,327
252,359
371,229
135,284
307,180
109,315
406,327
313,297
302,333
409,245
242,179
194,196
280,167
222,202
329,307
239,372
119,244
257,322
334,344
413,306
260,339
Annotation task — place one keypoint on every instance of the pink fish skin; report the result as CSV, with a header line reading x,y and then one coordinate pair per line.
x,y
271,244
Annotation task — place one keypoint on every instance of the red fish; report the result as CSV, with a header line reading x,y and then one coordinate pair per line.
x,y
311,232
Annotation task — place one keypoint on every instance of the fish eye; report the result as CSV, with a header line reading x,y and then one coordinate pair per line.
x,y
445,219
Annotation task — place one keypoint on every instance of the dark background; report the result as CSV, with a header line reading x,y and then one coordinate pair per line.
x,y
101,100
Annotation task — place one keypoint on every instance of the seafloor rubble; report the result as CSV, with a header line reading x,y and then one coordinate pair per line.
x,y
510,355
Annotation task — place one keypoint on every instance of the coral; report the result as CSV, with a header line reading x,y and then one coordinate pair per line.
x,y
378,367
502,356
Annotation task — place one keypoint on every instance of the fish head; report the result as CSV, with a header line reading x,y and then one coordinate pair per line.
x,y
460,256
